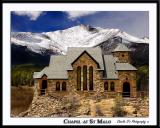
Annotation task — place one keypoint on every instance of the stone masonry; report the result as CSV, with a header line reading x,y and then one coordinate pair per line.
x,y
124,76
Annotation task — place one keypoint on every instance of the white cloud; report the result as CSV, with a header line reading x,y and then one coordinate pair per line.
x,y
75,14
33,15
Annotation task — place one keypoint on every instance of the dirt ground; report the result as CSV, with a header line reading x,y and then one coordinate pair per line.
x,y
45,106
21,98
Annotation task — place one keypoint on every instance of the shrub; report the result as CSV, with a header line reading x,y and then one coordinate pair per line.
x,y
118,110
71,102
98,111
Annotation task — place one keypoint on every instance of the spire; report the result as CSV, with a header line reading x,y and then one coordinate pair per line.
x,y
121,48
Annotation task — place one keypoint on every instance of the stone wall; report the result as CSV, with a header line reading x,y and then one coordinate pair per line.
x,y
116,85
130,77
39,84
98,82
123,57
52,87
97,76
36,85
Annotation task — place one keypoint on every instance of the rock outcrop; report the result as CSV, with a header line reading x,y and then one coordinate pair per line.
x,y
45,106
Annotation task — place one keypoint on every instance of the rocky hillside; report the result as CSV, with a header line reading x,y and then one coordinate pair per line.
x,y
76,107
139,51
22,55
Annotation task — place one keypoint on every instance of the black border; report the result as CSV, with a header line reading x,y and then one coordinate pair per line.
x,y
80,1
158,64
157,2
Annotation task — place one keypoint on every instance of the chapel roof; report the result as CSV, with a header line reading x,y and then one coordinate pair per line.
x,y
124,66
111,72
121,47
60,64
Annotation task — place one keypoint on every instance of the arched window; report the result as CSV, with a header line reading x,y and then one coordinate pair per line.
x,y
112,86
90,78
85,77
57,86
106,86
63,86
78,78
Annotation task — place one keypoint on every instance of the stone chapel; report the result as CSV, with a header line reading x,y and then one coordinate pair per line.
x,y
86,70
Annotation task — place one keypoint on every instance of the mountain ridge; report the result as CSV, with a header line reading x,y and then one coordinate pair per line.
x,y
76,36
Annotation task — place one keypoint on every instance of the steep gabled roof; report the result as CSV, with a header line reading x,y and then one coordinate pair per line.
x,y
124,66
56,70
74,52
111,72
59,64
121,47
87,54
40,74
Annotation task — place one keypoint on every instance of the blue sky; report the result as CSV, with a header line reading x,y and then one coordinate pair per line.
x,y
135,23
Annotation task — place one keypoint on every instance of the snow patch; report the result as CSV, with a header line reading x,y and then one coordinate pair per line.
x,y
77,36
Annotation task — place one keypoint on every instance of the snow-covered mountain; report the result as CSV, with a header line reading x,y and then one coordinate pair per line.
x,y
77,36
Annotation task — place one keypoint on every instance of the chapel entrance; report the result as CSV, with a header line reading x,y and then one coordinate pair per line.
x,y
44,86
126,89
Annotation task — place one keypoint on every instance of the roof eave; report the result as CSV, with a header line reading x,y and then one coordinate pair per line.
x,y
88,55
110,78
126,70
57,78
121,51
69,69
100,69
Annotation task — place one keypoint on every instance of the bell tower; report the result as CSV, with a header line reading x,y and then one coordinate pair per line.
x,y
122,53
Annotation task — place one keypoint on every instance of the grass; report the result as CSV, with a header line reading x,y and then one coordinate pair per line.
x,y
21,95
21,98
